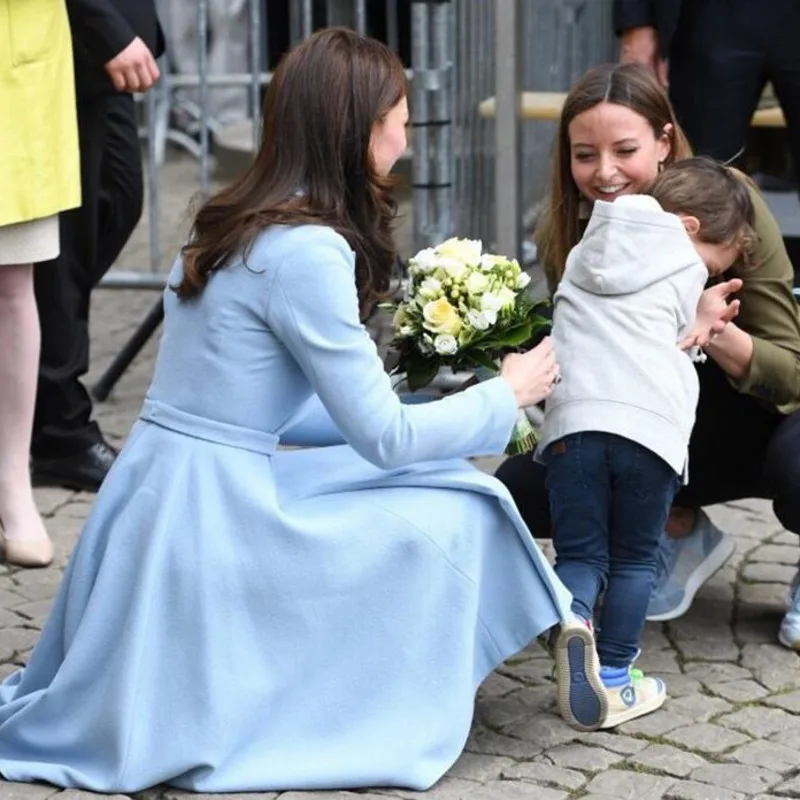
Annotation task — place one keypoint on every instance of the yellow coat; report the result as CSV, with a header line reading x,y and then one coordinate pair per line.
x,y
39,161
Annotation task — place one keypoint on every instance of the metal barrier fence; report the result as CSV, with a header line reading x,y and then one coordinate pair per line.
x,y
469,176
455,160
504,48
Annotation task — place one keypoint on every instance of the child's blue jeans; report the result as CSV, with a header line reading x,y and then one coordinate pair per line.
x,y
609,502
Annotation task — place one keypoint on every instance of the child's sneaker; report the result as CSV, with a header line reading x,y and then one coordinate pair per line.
x,y
581,694
630,694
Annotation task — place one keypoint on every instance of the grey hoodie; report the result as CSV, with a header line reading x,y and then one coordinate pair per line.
x,y
628,296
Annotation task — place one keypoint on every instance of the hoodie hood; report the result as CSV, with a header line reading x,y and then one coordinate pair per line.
x,y
628,245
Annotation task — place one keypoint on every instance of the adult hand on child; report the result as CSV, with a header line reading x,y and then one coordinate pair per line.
x,y
532,375
714,312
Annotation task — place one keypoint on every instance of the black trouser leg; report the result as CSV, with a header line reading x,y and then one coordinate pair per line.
x,y
91,237
729,444
783,68
716,73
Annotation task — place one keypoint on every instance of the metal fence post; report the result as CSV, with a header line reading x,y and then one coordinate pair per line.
x,y
508,162
432,120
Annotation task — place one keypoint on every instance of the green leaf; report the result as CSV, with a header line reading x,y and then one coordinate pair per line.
x,y
421,373
482,360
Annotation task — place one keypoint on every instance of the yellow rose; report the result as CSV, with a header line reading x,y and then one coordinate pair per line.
x,y
441,317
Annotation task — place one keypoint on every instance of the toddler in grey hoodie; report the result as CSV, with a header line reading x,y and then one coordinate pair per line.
x,y
617,427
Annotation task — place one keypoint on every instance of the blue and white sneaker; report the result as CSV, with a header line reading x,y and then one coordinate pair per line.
x,y
582,696
631,694
685,565
789,632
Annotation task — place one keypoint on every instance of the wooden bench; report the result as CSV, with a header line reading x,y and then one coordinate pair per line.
x,y
547,106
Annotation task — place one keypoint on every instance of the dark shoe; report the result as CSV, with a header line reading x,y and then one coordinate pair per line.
x,y
82,472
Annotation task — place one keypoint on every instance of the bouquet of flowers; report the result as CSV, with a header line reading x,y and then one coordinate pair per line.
x,y
465,309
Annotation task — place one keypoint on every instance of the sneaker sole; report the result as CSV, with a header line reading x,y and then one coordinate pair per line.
x,y
715,560
582,697
635,711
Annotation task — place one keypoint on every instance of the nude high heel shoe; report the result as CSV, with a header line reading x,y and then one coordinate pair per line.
x,y
27,552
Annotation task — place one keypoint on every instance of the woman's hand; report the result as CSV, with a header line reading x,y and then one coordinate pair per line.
x,y
714,312
531,375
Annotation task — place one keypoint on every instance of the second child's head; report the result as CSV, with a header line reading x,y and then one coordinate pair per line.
x,y
715,206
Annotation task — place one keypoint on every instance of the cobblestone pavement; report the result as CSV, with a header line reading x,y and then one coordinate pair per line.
x,y
731,728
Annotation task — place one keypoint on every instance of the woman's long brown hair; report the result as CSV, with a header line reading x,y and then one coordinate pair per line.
x,y
630,85
314,165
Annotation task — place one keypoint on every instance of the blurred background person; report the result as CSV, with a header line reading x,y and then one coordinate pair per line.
x,y
39,173
116,43
716,57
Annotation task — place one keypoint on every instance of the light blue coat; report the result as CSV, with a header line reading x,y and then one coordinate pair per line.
x,y
237,617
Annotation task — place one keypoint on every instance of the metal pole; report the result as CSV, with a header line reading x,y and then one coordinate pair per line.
x,y
202,69
443,109
152,180
508,84
361,16
432,115
308,18
392,33
420,161
255,66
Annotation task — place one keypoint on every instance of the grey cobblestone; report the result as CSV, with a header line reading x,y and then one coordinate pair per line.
x,y
761,722
730,730
706,738
690,790
737,777
745,691
582,757
767,754
664,758
547,775
625,785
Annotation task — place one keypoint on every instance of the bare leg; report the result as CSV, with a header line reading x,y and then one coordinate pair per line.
x,y
23,528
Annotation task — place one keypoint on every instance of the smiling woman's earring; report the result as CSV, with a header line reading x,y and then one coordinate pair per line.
x,y
660,166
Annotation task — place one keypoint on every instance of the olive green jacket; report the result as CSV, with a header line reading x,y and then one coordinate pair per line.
x,y
769,313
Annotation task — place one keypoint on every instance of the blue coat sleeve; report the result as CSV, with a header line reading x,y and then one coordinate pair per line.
x,y
315,428
312,308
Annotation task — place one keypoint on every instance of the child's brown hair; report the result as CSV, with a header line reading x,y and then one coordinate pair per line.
x,y
717,195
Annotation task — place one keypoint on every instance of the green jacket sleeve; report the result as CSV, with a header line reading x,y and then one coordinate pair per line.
x,y
769,313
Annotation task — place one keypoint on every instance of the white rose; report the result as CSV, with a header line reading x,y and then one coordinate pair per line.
x,y
523,279
507,296
488,262
455,270
466,250
478,319
430,289
491,301
445,344
476,283
425,260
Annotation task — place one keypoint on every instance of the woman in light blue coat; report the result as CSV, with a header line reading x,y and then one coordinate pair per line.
x,y
238,617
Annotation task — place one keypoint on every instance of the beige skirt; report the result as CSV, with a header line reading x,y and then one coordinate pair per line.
x,y
29,242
